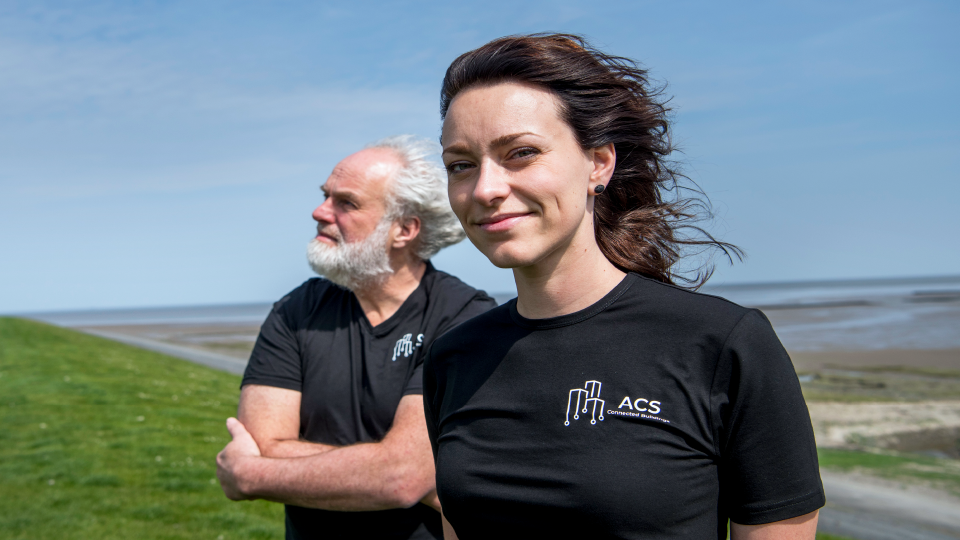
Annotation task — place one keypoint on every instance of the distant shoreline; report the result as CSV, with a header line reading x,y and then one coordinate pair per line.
x,y
764,295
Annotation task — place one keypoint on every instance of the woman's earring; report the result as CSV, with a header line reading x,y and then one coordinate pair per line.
x,y
599,189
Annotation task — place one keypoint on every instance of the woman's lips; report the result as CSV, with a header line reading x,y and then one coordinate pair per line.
x,y
501,222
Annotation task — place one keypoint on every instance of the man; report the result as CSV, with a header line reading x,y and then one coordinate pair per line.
x,y
331,411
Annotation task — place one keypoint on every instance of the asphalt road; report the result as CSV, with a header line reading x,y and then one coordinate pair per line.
x,y
214,360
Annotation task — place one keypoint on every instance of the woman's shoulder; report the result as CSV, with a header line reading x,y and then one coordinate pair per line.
x,y
473,335
648,293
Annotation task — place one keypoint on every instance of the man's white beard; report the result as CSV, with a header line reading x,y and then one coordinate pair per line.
x,y
354,265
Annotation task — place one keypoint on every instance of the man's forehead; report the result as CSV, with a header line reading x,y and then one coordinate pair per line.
x,y
365,171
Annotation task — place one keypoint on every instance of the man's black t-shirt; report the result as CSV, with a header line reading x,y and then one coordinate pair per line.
x,y
352,376
655,413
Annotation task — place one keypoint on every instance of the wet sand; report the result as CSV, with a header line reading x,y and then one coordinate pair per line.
x,y
941,359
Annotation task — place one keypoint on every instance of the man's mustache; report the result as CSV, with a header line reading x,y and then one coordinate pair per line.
x,y
330,233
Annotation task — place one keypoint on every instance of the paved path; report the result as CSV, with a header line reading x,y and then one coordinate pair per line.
x,y
214,360
866,511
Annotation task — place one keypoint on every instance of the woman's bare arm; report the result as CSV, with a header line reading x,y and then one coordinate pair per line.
x,y
799,528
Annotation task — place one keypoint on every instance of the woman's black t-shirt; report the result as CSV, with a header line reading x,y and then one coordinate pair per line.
x,y
655,413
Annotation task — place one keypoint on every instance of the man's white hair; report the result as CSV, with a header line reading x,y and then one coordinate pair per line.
x,y
420,189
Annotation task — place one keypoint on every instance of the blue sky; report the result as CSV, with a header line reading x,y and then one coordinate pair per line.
x,y
169,153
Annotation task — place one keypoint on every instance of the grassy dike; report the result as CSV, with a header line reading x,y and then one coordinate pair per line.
x,y
101,440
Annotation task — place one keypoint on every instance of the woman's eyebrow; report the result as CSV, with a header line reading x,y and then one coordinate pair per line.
x,y
500,141
504,140
456,149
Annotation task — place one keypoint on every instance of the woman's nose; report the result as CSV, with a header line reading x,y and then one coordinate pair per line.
x,y
492,184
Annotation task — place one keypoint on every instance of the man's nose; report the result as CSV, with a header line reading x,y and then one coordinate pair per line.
x,y
324,212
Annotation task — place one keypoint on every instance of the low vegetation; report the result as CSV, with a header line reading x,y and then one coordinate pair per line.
x,y
101,440
887,383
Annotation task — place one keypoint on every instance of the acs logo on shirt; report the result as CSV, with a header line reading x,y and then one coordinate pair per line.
x,y
405,346
587,399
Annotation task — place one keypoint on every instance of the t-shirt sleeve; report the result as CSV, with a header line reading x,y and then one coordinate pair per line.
x,y
768,456
415,382
429,401
275,360
479,303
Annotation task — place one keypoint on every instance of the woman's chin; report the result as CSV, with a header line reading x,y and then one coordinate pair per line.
x,y
504,257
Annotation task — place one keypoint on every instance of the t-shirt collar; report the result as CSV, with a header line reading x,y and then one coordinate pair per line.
x,y
412,303
577,316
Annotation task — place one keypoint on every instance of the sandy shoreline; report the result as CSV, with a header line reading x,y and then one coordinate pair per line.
x,y
947,359
909,427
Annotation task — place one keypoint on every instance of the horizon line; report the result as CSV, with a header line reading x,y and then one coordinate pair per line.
x,y
736,285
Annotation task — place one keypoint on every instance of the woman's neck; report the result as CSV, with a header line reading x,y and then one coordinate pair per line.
x,y
571,279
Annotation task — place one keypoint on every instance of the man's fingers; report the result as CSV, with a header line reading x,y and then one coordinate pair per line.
x,y
235,427
238,430
243,443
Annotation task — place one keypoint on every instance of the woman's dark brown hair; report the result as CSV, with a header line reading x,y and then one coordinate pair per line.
x,y
608,99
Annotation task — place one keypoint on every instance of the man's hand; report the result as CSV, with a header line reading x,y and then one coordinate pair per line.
x,y
229,461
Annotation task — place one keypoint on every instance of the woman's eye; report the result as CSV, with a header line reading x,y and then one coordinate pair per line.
x,y
524,152
457,167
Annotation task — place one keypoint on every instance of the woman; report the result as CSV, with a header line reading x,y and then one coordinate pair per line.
x,y
605,401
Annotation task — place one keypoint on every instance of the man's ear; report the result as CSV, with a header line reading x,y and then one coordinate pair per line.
x,y
406,230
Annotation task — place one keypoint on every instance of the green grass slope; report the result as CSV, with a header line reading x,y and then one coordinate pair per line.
x,y
101,440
